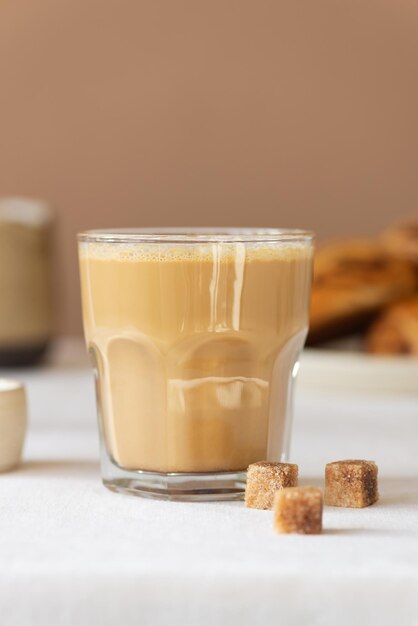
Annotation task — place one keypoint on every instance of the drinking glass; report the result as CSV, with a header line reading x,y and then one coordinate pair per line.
x,y
194,337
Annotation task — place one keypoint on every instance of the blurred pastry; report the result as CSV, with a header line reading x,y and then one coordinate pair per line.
x,y
402,240
396,330
353,281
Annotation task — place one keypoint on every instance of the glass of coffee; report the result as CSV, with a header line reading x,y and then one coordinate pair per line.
x,y
194,336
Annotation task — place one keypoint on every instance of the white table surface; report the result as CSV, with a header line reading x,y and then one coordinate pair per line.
x,y
73,553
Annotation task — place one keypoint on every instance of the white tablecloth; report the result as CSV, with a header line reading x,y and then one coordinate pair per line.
x,y
73,553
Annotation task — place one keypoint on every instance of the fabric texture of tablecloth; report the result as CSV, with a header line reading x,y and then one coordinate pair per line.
x,y
73,553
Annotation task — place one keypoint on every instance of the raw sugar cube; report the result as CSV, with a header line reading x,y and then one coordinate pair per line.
x,y
264,479
298,510
351,483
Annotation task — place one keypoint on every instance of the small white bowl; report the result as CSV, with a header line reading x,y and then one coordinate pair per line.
x,y
12,423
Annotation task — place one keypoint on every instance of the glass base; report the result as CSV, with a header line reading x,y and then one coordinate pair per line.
x,y
193,487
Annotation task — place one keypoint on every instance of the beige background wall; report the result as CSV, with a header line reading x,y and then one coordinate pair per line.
x,y
228,112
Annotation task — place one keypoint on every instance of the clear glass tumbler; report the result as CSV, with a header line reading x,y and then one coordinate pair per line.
x,y
194,337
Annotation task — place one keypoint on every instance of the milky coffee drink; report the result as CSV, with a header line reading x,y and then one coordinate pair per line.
x,y
194,347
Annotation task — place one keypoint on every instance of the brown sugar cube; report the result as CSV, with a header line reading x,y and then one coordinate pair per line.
x,y
264,479
298,510
351,483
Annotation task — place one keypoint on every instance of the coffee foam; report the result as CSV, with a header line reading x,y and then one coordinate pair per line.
x,y
212,252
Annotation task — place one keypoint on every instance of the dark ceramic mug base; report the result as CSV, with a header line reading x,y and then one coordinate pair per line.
x,y
22,356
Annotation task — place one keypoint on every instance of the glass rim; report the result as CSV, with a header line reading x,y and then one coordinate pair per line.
x,y
195,235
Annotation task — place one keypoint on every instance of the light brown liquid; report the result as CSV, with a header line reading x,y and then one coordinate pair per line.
x,y
194,348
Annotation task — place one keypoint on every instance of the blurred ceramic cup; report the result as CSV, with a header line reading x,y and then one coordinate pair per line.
x,y
25,280
12,423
